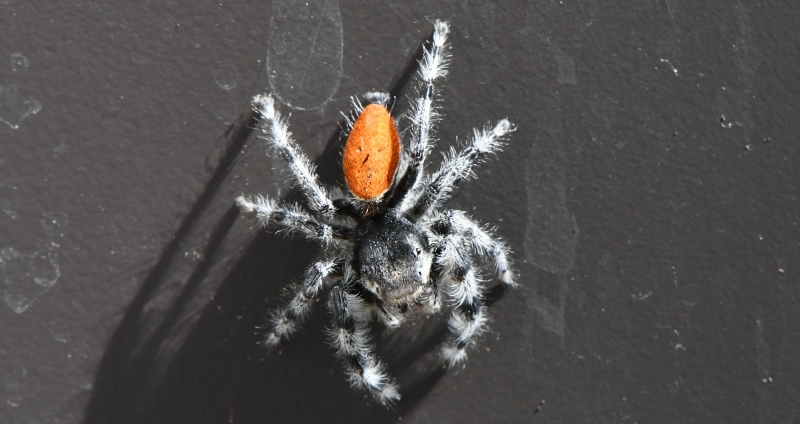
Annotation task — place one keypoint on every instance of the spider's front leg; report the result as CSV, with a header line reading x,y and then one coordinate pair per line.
x,y
289,318
351,337
432,67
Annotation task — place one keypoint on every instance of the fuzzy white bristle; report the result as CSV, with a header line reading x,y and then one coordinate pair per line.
x,y
466,329
440,31
453,356
281,325
373,376
507,277
244,204
503,127
379,97
389,394
264,105
272,341
262,206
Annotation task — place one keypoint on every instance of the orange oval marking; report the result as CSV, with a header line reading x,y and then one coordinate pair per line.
x,y
371,153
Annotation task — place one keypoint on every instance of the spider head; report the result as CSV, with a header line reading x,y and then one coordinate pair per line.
x,y
392,257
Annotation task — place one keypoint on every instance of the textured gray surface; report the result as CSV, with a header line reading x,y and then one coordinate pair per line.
x,y
650,196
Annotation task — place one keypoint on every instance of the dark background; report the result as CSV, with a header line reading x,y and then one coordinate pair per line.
x,y
650,196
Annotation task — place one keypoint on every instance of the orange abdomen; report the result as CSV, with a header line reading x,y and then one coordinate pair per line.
x,y
371,153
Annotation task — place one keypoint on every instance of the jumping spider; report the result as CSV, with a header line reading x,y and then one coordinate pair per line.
x,y
387,250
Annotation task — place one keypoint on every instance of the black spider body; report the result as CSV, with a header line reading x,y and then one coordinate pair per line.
x,y
392,256
387,250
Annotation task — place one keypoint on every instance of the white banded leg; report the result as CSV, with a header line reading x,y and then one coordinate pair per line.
x,y
464,291
292,219
355,346
276,132
288,319
458,167
432,67
483,241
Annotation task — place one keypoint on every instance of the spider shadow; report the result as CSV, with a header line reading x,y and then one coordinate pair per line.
x,y
125,373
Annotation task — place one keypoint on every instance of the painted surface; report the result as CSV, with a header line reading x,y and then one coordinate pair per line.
x,y
650,194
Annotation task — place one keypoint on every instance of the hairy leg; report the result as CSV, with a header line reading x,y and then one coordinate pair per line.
x,y
458,167
483,241
293,219
355,346
276,132
288,319
463,290
433,66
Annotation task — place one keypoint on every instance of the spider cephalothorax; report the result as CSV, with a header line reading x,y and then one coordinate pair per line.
x,y
392,257
387,251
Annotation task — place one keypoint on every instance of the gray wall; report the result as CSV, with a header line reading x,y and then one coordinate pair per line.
x,y
650,195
